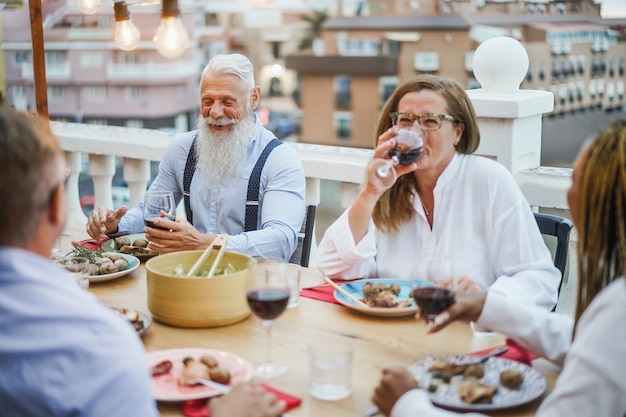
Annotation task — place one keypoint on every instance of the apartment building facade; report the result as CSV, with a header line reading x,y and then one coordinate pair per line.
x,y
358,61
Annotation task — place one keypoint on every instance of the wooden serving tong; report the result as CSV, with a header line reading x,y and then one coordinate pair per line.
x,y
219,244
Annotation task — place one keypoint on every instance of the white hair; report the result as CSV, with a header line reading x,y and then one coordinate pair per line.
x,y
235,64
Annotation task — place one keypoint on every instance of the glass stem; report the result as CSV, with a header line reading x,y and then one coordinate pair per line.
x,y
268,328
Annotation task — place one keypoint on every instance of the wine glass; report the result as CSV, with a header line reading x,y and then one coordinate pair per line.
x,y
158,204
268,296
409,147
432,300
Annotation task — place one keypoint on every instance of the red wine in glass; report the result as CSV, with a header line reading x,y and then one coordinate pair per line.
x,y
433,300
409,147
404,154
149,220
268,303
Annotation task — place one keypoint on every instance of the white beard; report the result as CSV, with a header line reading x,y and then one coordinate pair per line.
x,y
221,154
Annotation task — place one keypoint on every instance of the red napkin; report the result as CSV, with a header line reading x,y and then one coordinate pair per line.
x,y
515,352
90,243
322,292
96,244
200,408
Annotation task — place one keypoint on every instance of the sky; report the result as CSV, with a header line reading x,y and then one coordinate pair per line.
x,y
613,8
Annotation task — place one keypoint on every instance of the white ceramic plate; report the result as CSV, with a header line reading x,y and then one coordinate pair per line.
x,y
166,388
534,385
356,289
109,246
133,263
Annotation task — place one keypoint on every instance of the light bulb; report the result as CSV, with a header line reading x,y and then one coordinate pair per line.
x,y
88,6
126,35
171,37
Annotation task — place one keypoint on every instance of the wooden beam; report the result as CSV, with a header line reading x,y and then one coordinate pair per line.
x,y
39,58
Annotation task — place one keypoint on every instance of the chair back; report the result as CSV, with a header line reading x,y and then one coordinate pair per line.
x,y
305,238
559,229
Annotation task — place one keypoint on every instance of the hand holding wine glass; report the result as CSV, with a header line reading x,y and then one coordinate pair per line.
x,y
158,204
268,296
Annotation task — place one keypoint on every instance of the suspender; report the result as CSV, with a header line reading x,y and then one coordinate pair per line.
x,y
254,183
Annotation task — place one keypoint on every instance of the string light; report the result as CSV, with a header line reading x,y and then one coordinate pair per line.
x,y
126,35
89,6
171,37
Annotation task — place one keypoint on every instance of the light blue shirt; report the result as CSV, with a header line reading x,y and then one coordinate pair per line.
x,y
62,353
219,206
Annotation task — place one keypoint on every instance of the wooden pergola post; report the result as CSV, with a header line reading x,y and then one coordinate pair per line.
x,y
39,59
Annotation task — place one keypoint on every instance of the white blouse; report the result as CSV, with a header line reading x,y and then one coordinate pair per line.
x,y
483,228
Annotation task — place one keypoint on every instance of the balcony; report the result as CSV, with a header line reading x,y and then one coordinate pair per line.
x,y
58,71
151,71
509,121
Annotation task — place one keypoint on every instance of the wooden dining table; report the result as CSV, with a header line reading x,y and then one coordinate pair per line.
x,y
378,342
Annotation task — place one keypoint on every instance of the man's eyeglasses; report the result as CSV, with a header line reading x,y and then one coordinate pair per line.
x,y
427,121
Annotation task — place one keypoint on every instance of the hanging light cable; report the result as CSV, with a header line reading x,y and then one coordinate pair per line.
x,y
126,35
171,37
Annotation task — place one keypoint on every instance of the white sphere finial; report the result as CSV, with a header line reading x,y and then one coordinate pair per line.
x,y
500,65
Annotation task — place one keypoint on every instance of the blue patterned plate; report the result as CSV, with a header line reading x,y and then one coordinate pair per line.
x,y
446,395
356,289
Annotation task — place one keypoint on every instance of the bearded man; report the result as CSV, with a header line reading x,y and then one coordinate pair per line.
x,y
234,178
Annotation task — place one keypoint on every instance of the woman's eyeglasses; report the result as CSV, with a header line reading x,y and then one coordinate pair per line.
x,y
427,121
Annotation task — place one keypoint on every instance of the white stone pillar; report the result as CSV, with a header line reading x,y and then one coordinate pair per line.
x,y
102,169
509,119
75,212
137,176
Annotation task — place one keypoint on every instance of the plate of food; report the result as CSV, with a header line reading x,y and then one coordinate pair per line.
x,y
496,384
135,245
174,372
105,266
141,321
384,297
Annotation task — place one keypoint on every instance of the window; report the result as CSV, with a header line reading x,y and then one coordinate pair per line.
x,y
343,95
55,58
343,125
55,92
426,62
592,89
386,87
581,64
91,59
134,123
104,21
132,93
129,58
76,21
20,58
572,65
96,93
541,72
555,71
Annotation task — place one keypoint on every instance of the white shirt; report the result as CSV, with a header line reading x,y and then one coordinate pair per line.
x,y
483,228
219,206
592,382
